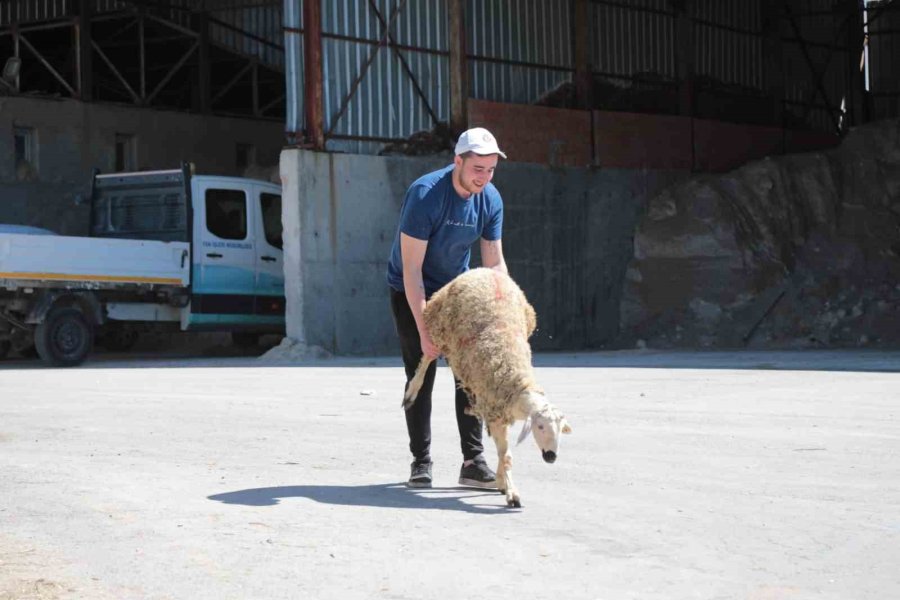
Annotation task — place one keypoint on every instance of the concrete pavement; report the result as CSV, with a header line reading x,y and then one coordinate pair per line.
x,y
758,475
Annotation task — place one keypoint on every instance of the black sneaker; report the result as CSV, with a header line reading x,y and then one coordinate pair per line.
x,y
419,475
478,474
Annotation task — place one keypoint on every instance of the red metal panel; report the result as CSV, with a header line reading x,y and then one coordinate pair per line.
x,y
536,134
724,146
312,40
809,141
638,141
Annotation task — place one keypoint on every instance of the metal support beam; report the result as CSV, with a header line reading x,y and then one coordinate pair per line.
x,y
773,57
47,65
404,64
265,108
112,67
203,66
684,56
312,45
85,55
362,72
17,52
172,72
231,83
142,51
856,77
581,39
459,93
254,77
817,76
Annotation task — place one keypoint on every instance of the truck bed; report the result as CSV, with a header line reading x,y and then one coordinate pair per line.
x,y
93,263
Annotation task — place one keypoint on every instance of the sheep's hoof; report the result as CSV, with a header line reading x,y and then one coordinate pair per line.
x,y
514,503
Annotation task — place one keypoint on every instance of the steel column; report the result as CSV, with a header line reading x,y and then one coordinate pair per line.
x,y
312,43
85,54
459,93
143,58
203,63
773,56
581,37
856,63
684,56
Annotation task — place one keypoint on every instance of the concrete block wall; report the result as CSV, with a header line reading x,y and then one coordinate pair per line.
x,y
567,239
74,137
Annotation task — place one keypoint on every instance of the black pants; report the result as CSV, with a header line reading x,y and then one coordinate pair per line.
x,y
418,418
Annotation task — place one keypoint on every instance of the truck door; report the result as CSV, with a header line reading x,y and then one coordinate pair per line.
x,y
269,256
225,257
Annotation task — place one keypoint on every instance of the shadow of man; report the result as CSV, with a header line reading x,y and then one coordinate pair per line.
x,y
393,495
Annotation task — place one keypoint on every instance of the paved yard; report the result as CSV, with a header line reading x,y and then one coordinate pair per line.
x,y
688,475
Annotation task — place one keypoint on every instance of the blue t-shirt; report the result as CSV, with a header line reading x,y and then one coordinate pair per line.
x,y
432,211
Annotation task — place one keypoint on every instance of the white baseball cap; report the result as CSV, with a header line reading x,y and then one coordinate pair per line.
x,y
478,140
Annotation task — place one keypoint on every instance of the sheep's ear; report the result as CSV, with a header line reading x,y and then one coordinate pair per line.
x,y
565,426
526,429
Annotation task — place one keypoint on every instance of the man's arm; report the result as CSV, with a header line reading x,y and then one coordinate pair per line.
x,y
492,255
413,252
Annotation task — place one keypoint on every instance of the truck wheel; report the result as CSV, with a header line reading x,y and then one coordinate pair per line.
x,y
65,338
245,339
5,345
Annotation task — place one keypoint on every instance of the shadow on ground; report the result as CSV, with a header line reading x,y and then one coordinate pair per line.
x,y
392,495
859,360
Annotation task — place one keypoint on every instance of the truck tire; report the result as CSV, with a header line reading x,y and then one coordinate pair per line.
x,y
65,338
5,345
245,339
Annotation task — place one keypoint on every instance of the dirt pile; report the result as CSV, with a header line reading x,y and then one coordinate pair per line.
x,y
438,140
793,251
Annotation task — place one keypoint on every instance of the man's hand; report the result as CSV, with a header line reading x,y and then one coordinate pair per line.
x,y
430,351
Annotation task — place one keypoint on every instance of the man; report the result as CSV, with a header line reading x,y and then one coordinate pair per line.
x,y
444,212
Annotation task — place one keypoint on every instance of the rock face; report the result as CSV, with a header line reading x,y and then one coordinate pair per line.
x,y
795,251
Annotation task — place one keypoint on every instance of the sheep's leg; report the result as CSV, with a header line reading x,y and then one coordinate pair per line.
x,y
415,384
499,431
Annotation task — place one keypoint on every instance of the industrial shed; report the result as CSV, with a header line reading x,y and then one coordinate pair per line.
x,y
602,105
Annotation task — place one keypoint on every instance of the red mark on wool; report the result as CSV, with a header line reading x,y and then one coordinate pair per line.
x,y
466,341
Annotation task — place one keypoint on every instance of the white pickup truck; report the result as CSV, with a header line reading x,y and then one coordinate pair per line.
x,y
167,249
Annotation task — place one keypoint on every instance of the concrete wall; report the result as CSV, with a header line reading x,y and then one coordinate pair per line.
x,y
567,239
74,137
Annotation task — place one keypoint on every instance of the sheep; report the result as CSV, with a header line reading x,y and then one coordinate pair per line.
x,y
481,322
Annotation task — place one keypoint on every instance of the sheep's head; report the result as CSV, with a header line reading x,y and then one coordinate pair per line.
x,y
546,423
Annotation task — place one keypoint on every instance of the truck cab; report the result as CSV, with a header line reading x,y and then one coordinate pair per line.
x,y
238,265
